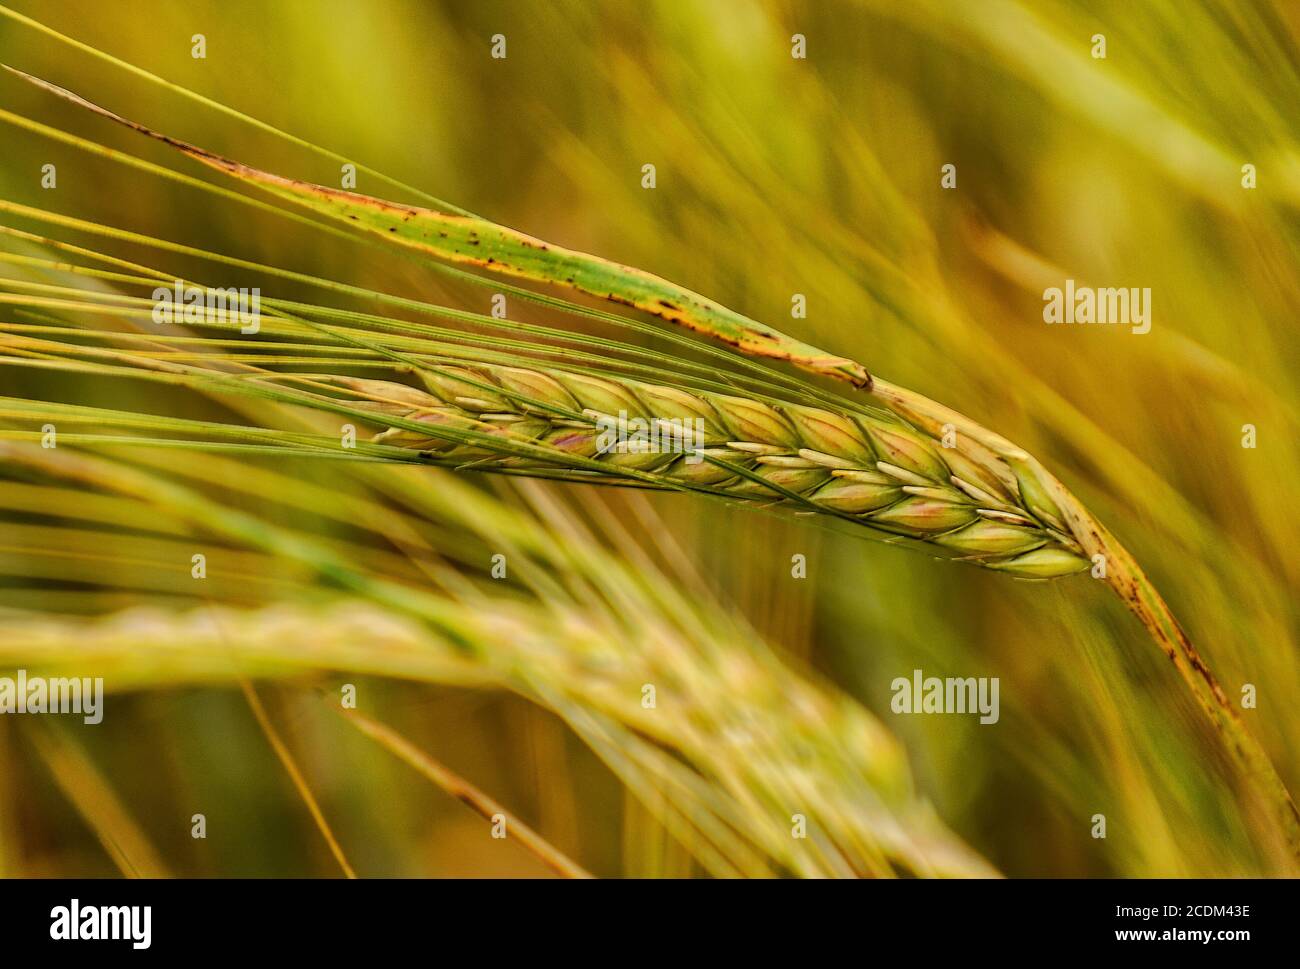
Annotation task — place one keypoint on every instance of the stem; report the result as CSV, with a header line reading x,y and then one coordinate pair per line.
x,y
1126,578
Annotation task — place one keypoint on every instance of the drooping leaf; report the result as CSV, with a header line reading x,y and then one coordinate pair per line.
x,y
479,242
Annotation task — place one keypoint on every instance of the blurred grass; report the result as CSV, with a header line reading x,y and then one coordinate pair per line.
x,y
779,176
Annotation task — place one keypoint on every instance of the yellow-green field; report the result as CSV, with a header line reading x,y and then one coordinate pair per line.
x,y
367,595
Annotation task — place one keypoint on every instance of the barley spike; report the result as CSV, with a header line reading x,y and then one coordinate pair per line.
x,y
875,470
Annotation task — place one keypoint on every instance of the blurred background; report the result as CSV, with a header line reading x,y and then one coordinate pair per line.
x,y
776,175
